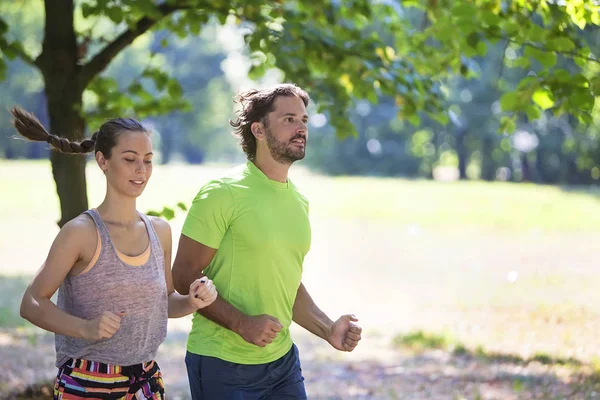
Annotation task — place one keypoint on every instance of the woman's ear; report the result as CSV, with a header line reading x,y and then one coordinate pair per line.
x,y
102,162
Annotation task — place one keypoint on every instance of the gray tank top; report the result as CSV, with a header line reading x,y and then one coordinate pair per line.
x,y
112,285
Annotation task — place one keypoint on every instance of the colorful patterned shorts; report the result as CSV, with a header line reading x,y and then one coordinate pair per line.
x,y
83,379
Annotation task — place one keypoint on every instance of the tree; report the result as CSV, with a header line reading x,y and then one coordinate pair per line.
x,y
331,48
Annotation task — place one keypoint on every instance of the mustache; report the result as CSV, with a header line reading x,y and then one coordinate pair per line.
x,y
298,136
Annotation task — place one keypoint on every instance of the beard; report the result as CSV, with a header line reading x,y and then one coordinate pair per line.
x,y
284,152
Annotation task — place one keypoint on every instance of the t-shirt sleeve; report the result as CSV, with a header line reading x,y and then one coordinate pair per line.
x,y
210,214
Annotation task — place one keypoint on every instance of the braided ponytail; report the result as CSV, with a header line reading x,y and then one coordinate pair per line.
x,y
31,128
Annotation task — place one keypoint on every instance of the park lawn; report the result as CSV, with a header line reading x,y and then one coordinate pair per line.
x,y
30,194
405,255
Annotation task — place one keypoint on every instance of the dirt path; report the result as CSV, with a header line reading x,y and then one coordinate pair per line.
x,y
375,372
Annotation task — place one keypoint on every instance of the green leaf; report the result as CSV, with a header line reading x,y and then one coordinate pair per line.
x,y
149,9
414,119
473,40
536,33
86,10
441,118
582,99
10,52
562,75
2,69
507,124
135,88
3,26
543,99
195,27
585,118
174,89
182,206
490,18
222,18
482,49
547,59
533,112
509,101
561,44
115,14
595,85
168,213
522,62
463,10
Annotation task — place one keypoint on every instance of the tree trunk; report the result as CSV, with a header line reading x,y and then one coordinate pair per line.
x,y
488,164
525,168
540,166
59,65
461,152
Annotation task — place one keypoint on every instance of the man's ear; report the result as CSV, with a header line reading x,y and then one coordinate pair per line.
x,y
258,130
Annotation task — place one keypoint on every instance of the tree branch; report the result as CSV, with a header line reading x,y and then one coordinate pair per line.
x,y
501,70
572,54
108,53
24,56
15,47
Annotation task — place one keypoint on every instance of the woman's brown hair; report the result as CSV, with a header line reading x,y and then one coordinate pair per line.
x,y
103,140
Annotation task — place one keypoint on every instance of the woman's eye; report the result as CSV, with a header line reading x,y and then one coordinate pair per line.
x,y
129,160
148,161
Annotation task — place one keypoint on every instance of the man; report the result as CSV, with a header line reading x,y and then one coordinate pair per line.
x,y
249,233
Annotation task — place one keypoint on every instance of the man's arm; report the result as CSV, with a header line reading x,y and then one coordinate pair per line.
x,y
342,334
191,260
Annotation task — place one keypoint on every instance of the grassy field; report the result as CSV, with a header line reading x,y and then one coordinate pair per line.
x,y
497,266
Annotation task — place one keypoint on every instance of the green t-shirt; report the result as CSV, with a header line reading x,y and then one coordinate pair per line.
x,y
262,232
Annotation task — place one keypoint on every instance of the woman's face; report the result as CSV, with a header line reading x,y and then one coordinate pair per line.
x,y
130,166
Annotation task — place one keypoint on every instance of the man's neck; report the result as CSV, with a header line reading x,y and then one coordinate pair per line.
x,y
272,169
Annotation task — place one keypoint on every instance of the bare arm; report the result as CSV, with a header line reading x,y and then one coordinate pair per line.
x,y
342,334
36,306
203,293
309,316
191,260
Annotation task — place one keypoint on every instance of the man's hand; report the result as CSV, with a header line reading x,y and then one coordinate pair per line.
x,y
259,330
345,333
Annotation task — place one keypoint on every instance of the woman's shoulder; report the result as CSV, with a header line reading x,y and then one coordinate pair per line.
x,y
162,228
79,230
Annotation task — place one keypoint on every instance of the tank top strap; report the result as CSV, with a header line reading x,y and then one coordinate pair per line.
x,y
102,229
154,240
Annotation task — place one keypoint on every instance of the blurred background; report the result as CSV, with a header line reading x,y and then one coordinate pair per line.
x,y
452,169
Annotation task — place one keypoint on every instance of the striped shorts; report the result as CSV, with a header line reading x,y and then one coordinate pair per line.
x,y
83,379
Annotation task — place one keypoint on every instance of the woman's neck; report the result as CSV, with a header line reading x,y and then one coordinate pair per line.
x,y
119,210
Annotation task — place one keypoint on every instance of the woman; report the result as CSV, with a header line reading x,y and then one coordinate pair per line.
x,y
111,266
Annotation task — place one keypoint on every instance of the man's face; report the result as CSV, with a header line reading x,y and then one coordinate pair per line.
x,y
286,129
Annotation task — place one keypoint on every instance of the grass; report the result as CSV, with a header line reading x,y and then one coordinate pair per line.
x,y
494,206
403,255
12,289
420,341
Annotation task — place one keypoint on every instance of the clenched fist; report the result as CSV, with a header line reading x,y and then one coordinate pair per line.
x,y
202,293
103,326
259,330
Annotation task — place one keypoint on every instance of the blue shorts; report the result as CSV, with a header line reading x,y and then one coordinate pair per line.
x,y
215,379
